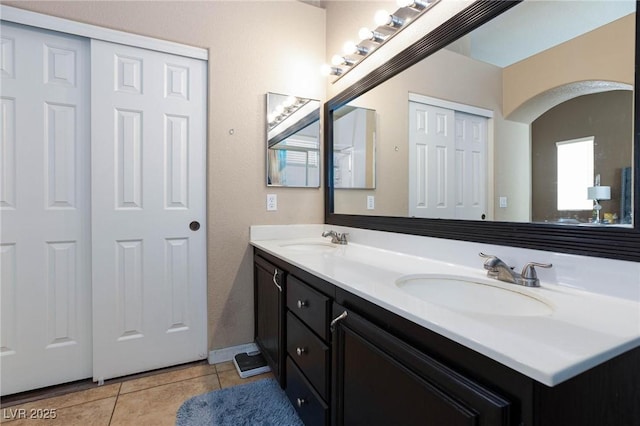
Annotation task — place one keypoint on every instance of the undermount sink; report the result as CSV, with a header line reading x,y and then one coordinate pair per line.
x,y
310,246
473,295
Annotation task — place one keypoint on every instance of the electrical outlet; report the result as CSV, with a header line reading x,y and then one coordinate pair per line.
x,y
371,202
503,202
272,202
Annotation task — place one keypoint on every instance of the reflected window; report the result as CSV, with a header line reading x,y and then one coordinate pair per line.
x,y
298,162
575,173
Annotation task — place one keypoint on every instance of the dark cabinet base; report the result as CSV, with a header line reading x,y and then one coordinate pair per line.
x,y
380,368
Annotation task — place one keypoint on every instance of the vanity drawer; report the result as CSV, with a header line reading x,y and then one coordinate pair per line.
x,y
309,353
309,305
310,407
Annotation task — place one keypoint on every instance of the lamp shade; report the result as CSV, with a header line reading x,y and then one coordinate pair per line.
x,y
599,193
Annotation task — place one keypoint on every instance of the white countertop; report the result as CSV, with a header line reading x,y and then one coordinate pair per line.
x,y
583,330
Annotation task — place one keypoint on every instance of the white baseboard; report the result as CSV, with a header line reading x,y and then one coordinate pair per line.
x,y
226,354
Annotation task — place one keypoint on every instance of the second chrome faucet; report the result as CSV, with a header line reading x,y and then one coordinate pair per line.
x,y
499,270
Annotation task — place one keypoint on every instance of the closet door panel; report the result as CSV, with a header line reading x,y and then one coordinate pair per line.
x,y
148,182
45,209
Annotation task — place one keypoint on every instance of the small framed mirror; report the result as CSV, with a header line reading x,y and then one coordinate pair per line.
x,y
293,141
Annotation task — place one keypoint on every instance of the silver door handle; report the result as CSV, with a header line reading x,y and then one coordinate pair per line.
x,y
340,317
275,281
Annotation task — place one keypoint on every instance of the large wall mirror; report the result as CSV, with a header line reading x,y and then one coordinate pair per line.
x,y
293,141
513,123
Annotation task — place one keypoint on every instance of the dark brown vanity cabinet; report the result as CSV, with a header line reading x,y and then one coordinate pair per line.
x,y
381,380
378,368
269,293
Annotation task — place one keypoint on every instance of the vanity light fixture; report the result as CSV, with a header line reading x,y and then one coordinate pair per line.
x,y
367,34
283,110
338,60
350,48
413,4
388,25
383,17
329,70
289,103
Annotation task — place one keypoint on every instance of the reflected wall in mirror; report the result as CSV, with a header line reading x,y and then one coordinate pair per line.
x,y
354,148
293,141
539,75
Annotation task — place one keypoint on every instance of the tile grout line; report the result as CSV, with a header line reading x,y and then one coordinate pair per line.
x,y
115,403
169,383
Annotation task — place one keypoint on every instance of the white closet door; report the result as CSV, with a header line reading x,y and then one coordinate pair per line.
x,y
44,206
148,181
431,161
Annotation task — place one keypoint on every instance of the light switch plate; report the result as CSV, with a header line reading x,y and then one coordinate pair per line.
x,y
272,202
371,202
503,202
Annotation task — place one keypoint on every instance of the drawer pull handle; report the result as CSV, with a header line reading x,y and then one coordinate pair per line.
x,y
275,280
301,351
302,304
340,317
300,402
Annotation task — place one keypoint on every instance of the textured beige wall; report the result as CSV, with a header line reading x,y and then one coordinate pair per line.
x,y
254,47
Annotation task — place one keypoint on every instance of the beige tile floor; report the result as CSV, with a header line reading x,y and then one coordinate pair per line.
x,y
151,400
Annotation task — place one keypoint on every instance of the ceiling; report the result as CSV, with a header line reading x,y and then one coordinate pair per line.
x,y
537,25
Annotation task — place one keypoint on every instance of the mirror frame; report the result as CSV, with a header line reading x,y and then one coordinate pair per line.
x,y
606,242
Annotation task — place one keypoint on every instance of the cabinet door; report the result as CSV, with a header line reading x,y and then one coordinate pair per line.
x,y
380,380
269,310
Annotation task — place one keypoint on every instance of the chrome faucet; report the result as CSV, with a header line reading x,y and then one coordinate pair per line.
x,y
499,270
336,237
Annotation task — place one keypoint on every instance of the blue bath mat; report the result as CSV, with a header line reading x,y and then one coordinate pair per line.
x,y
262,402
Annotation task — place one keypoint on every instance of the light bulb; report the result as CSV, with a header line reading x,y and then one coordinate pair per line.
x,y
279,109
337,60
413,4
328,70
349,48
289,102
382,17
365,33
